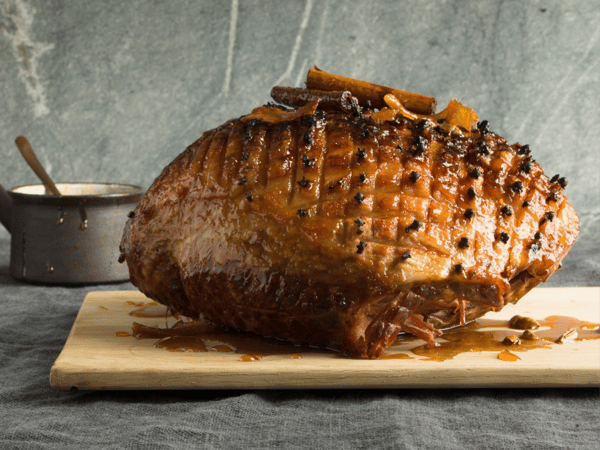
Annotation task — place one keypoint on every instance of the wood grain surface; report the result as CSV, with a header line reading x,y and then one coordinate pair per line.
x,y
96,357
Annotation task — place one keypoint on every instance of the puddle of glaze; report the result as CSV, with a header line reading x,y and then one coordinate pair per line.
x,y
151,310
215,339
481,335
490,335
505,355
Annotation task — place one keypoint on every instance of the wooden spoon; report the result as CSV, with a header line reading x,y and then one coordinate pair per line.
x,y
27,152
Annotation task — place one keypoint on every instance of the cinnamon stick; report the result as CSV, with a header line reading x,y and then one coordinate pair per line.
x,y
297,97
364,91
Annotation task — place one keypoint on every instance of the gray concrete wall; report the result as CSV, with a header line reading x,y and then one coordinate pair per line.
x,y
114,90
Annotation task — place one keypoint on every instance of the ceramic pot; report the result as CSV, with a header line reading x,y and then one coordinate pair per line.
x,y
69,239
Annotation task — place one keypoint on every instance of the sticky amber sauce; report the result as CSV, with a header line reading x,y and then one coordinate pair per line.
x,y
481,335
151,310
182,344
505,355
203,337
138,304
487,335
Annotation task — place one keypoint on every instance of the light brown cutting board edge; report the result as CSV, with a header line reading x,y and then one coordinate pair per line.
x,y
94,358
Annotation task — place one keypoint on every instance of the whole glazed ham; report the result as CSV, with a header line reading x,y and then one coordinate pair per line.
x,y
339,225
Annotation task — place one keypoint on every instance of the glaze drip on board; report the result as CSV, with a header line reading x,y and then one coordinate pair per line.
x,y
481,335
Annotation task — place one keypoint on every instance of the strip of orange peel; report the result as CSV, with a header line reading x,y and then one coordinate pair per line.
x,y
455,115
276,115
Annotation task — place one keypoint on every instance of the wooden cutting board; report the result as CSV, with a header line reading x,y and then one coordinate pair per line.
x,y
99,354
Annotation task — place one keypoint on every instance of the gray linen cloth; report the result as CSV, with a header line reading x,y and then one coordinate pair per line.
x,y
36,321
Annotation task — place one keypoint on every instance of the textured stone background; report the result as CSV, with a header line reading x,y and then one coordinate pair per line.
x,y
112,91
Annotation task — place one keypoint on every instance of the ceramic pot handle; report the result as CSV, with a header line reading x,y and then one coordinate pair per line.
x,y
5,208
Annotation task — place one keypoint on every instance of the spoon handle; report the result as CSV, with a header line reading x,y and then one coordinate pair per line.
x,y
27,152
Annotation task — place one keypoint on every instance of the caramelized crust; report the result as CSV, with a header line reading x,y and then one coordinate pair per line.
x,y
337,230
